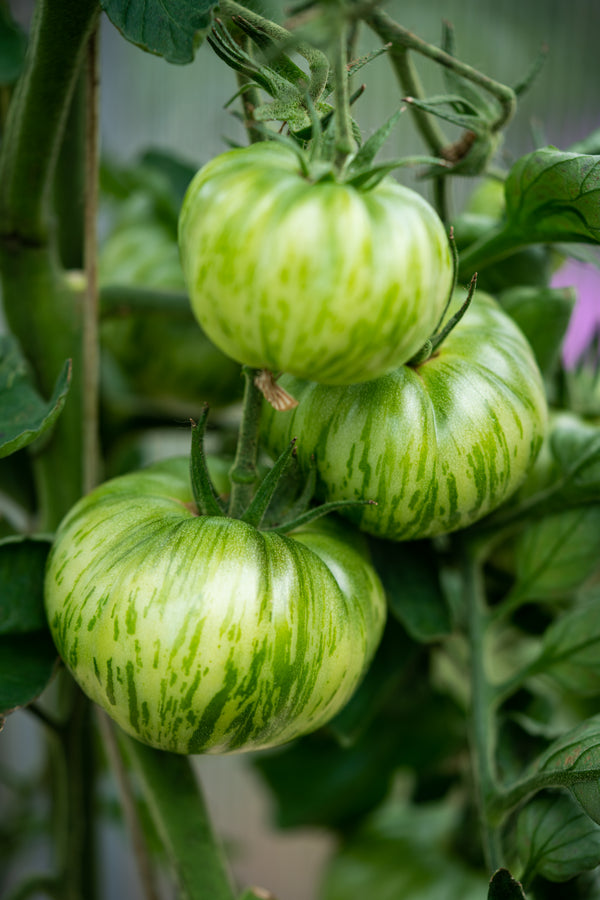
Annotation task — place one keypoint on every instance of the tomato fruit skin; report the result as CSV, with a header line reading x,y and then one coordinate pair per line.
x,y
436,446
321,279
202,634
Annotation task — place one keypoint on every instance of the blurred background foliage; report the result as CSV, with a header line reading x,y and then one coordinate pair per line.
x,y
285,844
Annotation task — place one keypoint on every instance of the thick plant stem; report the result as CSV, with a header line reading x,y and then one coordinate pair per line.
x,y
42,305
483,734
130,812
37,115
344,141
244,473
72,765
177,808
90,336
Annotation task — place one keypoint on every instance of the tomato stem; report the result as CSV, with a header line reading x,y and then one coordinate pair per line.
x,y
345,144
244,472
90,336
483,722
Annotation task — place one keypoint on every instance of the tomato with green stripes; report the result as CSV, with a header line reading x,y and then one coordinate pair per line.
x,y
436,445
311,276
202,634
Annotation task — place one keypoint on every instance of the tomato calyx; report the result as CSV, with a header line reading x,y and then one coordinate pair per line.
x,y
261,513
442,330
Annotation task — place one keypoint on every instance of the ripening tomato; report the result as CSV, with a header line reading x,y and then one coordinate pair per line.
x,y
320,279
202,634
436,445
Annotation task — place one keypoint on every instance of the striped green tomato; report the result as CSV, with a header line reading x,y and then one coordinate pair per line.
x,y
319,279
437,445
202,634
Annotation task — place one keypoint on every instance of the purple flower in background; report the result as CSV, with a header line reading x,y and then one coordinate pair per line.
x,y
585,320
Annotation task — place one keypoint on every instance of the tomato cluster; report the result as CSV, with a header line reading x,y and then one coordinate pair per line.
x,y
204,633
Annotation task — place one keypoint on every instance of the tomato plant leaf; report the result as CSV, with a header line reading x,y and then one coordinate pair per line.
x,y
557,554
556,839
574,761
543,316
13,44
409,575
27,663
22,567
571,649
504,887
553,196
173,30
24,416
177,809
403,852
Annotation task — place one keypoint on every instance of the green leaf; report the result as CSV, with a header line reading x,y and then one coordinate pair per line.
x,y
403,852
409,573
504,887
27,663
556,839
179,814
22,567
557,554
554,196
24,416
13,44
173,30
574,761
543,316
571,649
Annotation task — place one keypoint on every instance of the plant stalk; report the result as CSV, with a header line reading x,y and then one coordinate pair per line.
x,y
244,472
344,140
130,812
90,336
391,32
483,725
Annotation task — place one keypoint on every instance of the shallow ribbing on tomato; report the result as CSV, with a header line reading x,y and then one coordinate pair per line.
x,y
321,280
438,445
202,634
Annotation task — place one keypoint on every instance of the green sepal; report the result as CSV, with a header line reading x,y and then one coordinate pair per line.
x,y
278,61
441,336
432,343
317,512
368,178
205,495
236,58
261,500
371,147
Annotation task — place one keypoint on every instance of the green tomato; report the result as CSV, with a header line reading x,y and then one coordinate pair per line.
x,y
438,445
202,634
320,279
